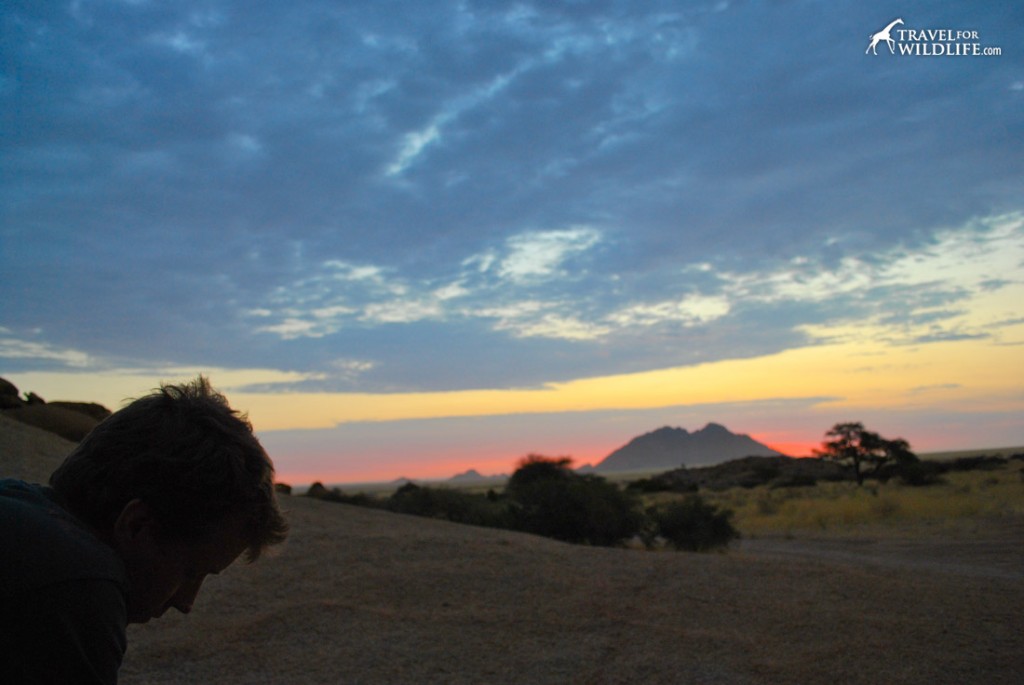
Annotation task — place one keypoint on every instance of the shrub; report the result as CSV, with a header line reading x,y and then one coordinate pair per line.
x,y
797,480
547,498
762,474
695,525
982,462
650,485
920,473
538,469
318,491
445,503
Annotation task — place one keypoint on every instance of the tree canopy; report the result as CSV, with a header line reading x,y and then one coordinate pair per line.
x,y
864,451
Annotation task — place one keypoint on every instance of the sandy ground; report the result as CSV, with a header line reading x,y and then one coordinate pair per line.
x,y
362,596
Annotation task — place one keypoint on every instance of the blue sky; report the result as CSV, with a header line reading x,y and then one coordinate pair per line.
x,y
431,197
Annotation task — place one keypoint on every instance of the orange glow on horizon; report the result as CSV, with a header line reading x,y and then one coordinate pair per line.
x,y
793,449
411,470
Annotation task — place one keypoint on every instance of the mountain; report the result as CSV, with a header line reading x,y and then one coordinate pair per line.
x,y
474,476
670,448
470,476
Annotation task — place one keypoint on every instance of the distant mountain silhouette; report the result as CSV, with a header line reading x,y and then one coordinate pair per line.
x,y
473,476
466,477
670,448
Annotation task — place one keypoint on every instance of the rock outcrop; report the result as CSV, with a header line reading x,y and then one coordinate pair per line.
x,y
70,420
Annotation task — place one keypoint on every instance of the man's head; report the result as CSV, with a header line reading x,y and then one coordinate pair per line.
x,y
179,485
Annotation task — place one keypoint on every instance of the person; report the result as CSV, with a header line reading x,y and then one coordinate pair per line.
x,y
171,488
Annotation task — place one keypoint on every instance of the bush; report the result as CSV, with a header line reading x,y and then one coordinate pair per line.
x,y
547,498
536,469
695,525
920,473
447,504
797,480
982,462
318,491
650,485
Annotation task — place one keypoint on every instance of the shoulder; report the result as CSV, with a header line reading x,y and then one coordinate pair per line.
x,y
63,592
45,544
72,632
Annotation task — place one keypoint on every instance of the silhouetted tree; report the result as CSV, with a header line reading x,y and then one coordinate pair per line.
x,y
536,468
864,451
547,498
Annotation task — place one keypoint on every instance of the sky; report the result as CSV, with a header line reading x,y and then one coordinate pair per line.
x,y
412,238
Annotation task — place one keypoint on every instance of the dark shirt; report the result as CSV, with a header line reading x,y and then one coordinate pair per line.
x,y
62,594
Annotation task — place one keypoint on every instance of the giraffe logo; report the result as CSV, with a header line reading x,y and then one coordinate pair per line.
x,y
877,38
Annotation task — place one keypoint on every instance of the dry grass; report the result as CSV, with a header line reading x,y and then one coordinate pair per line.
x,y
838,507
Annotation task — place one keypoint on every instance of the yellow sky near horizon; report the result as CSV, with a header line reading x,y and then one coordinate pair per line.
x,y
970,374
967,373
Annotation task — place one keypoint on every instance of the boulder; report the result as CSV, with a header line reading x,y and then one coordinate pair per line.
x,y
67,423
9,397
94,411
70,420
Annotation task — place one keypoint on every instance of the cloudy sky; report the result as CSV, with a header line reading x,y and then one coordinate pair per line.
x,y
414,237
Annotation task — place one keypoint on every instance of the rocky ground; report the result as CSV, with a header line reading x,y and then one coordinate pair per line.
x,y
366,596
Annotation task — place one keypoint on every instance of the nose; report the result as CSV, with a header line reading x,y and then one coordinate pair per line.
x,y
186,596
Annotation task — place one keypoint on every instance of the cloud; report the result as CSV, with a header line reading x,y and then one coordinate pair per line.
x,y
690,309
913,287
412,146
902,286
540,255
523,194
15,350
180,41
933,388
338,294
551,325
402,311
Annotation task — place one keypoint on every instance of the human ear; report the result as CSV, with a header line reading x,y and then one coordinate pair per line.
x,y
134,522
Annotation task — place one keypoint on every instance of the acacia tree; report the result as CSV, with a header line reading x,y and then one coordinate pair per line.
x,y
864,451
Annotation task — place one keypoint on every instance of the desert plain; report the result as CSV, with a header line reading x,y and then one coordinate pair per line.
x,y
364,596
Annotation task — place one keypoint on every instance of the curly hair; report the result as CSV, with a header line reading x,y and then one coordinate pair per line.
x,y
186,454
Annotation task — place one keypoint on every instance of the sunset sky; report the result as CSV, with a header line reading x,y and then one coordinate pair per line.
x,y
411,238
